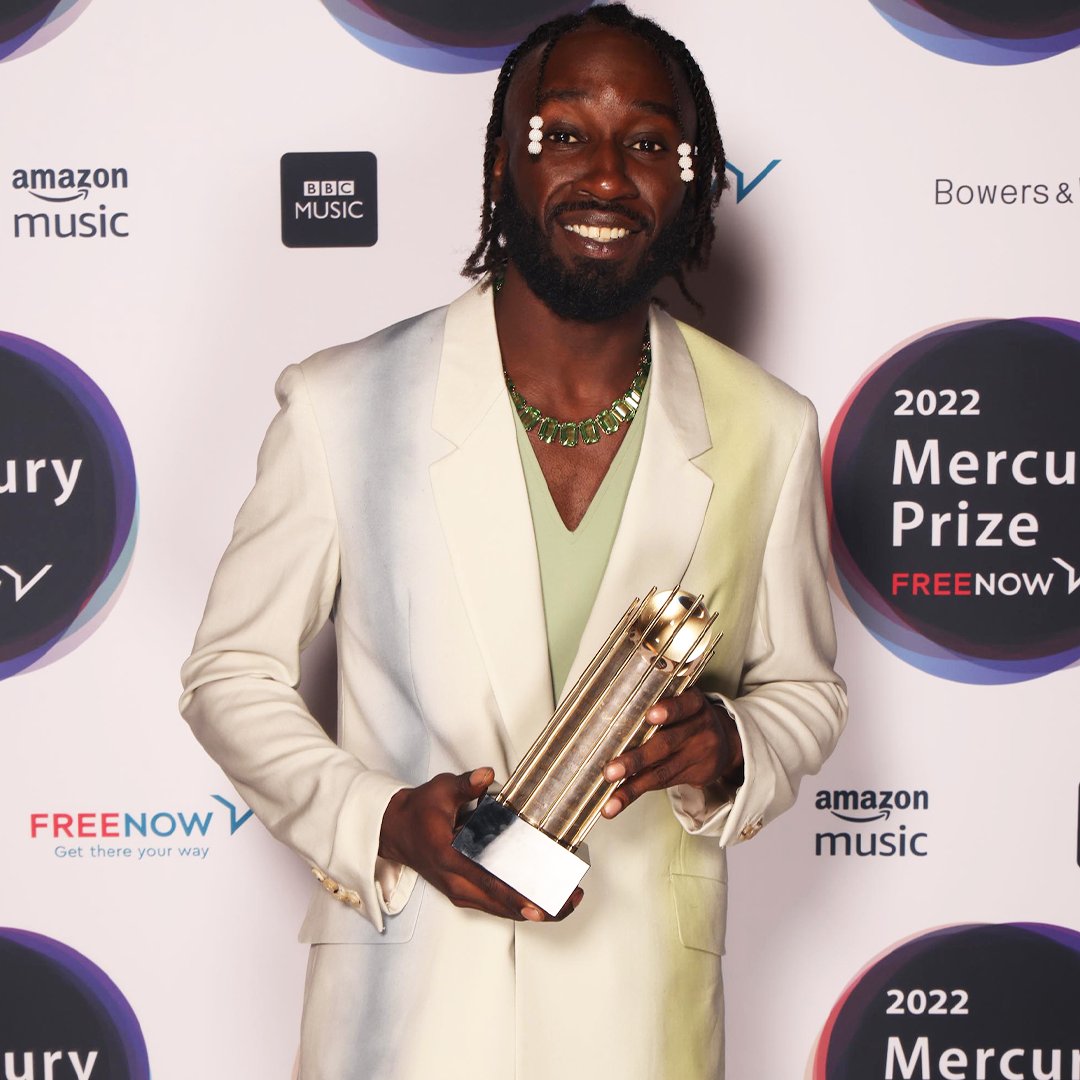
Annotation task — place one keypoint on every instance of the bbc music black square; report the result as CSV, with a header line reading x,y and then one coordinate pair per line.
x,y
329,199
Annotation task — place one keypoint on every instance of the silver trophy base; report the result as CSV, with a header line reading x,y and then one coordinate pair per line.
x,y
520,855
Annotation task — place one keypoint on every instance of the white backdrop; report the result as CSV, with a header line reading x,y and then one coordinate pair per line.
x,y
839,254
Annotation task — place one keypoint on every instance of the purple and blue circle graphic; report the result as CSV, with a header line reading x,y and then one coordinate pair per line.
x,y
433,35
992,32
61,1015
68,505
26,25
981,1000
951,482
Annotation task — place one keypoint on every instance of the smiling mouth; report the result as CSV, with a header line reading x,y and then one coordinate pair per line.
x,y
598,232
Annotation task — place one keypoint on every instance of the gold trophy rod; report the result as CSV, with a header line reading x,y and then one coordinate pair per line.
x,y
657,659
556,724
596,704
686,680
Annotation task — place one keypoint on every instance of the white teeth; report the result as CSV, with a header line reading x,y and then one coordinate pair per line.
x,y
597,232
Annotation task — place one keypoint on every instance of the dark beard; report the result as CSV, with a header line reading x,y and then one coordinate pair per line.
x,y
591,290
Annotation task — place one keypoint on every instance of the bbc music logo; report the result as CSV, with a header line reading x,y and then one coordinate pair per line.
x,y
329,199
63,1017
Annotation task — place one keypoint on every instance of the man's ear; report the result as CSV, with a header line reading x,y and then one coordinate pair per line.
x,y
498,168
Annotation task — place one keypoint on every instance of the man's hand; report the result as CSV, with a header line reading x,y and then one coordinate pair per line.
x,y
417,829
697,743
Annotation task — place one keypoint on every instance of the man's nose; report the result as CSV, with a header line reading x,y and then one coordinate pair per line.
x,y
606,176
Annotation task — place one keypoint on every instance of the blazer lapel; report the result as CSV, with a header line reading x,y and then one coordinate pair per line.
x,y
668,496
483,506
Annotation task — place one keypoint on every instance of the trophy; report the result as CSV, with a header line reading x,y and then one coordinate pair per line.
x,y
530,834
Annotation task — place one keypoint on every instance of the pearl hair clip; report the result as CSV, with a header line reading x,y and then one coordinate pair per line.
x,y
686,162
536,134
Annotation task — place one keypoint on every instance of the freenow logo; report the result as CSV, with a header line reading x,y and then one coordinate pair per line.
x,y
329,200
451,38
987,31
86,216
875,834
744,184
63,1018
978,1002
68,504
26,25
136,835
951,481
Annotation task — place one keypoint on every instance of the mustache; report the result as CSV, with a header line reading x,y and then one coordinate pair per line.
x,y
600,206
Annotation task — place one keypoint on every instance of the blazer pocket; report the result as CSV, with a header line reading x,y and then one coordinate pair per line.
x,y
700,911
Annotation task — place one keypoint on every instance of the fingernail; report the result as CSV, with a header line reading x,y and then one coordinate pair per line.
x,y
614,771
611,807
657,714
532,914
481,776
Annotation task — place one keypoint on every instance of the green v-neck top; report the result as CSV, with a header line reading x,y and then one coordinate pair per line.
x,y
572,563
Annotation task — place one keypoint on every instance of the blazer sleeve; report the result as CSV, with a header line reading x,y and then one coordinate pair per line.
x,y
272,593
791,705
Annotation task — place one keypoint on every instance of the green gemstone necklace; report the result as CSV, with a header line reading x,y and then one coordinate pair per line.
x,y
606,422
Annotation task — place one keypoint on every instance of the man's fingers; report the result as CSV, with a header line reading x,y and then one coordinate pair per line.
x,y
662,745
681,767
501,899
478,781
672,710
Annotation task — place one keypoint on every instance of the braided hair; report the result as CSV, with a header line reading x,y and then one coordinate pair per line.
x,y
709,176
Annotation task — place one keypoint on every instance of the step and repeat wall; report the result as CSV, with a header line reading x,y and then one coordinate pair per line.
x,y
193,195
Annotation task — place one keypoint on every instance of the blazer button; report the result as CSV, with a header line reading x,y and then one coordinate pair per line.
x,y
751,830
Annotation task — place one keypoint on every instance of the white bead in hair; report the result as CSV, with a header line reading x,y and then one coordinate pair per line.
x,y
536,134
686,162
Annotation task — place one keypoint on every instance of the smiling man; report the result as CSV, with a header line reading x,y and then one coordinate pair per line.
x,y
476,495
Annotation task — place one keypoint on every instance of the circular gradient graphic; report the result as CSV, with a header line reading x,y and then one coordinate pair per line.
x,y
55,1003
26,25
987,31
451,38
68,505
951,482
986,1000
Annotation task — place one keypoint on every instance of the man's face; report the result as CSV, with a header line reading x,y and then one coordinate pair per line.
x,y
595,220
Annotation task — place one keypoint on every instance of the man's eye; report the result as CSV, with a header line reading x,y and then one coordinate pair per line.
x,y
648,145
562,137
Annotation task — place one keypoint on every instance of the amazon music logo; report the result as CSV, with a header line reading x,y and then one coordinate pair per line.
x,y
868,828
71,202
26,25
433,35
987,31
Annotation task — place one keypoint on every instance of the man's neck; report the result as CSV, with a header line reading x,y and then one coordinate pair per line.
x,y
567,363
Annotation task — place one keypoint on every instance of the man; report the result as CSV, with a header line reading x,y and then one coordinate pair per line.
x,y
473,568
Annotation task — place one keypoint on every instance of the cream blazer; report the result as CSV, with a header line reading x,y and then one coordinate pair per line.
x,y
390,498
